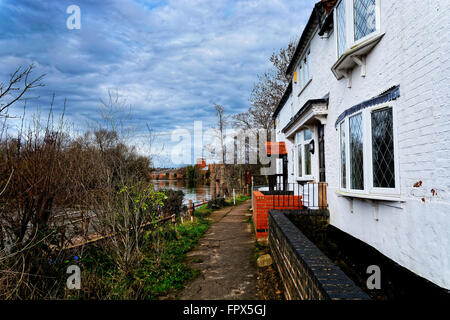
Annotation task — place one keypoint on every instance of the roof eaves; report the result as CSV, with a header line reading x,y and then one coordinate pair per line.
x,y
303,39
321,9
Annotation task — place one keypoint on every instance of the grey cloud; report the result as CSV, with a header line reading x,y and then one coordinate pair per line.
x,y
171,59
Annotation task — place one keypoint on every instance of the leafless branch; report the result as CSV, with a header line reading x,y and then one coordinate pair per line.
x,y
20,82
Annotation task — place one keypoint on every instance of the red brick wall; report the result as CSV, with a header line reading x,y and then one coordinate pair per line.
x,y
263,203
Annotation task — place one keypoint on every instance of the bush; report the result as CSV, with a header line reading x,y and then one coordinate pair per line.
x,y
217,203
174,202
159,272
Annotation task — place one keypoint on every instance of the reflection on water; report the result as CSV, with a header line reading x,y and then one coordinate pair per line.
x,y
198,193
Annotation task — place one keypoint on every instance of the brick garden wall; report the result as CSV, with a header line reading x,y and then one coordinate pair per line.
x,y
263,203
307,274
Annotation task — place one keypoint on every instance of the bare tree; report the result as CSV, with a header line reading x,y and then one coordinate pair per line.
x,y
19,83
222,122
267,93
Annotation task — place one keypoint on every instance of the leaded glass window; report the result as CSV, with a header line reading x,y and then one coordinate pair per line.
x,y
341,28
343,157
364,18
356,153
383,149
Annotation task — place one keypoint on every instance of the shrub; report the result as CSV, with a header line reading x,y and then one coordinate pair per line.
x,y
217,203
173,204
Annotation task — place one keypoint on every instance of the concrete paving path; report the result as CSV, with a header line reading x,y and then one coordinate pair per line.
x,y
225,257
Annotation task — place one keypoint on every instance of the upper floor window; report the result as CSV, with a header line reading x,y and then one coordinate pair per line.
x,y
356,20
374,170
364,18
304,71
341,30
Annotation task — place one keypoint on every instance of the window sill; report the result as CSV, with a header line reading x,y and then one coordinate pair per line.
x,y
304,87
355,56
393,198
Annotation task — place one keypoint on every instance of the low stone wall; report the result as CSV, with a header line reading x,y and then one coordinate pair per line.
x,y
307,274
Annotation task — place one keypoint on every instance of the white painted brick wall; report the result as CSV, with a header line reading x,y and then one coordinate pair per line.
x,y
415,54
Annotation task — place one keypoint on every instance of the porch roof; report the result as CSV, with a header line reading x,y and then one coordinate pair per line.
x,y
303,110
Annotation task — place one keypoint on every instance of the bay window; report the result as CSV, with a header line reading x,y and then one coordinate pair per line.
x,y
356,152
383,158
343,150
367,152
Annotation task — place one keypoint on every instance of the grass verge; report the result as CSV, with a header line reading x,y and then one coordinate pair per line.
x,y
161,270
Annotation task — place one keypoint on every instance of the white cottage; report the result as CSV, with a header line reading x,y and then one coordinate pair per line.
x,y
368,113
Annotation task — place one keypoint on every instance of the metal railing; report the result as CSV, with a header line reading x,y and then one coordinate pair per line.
x,y
295,195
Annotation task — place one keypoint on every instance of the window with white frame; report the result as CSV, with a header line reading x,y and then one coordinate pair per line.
x,y
341,28
343,152
383,156
356,20
303,145
364,18
356,152
371,128
304,71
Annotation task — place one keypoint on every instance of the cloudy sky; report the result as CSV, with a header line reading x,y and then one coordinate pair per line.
x,y
171,60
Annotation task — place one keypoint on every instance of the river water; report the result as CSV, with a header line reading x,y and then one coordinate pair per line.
x,y
198,193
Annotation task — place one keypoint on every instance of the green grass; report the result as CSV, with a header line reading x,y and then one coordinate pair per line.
x,y
156,275
159,272
203,211
240,198
172,272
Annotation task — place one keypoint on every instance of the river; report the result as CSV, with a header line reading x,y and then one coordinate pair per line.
x,y
200,192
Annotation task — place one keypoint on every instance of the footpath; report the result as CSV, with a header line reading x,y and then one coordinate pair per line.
x,y
225,257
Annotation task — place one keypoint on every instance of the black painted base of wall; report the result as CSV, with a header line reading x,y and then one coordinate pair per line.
x,y
354,256
306,272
